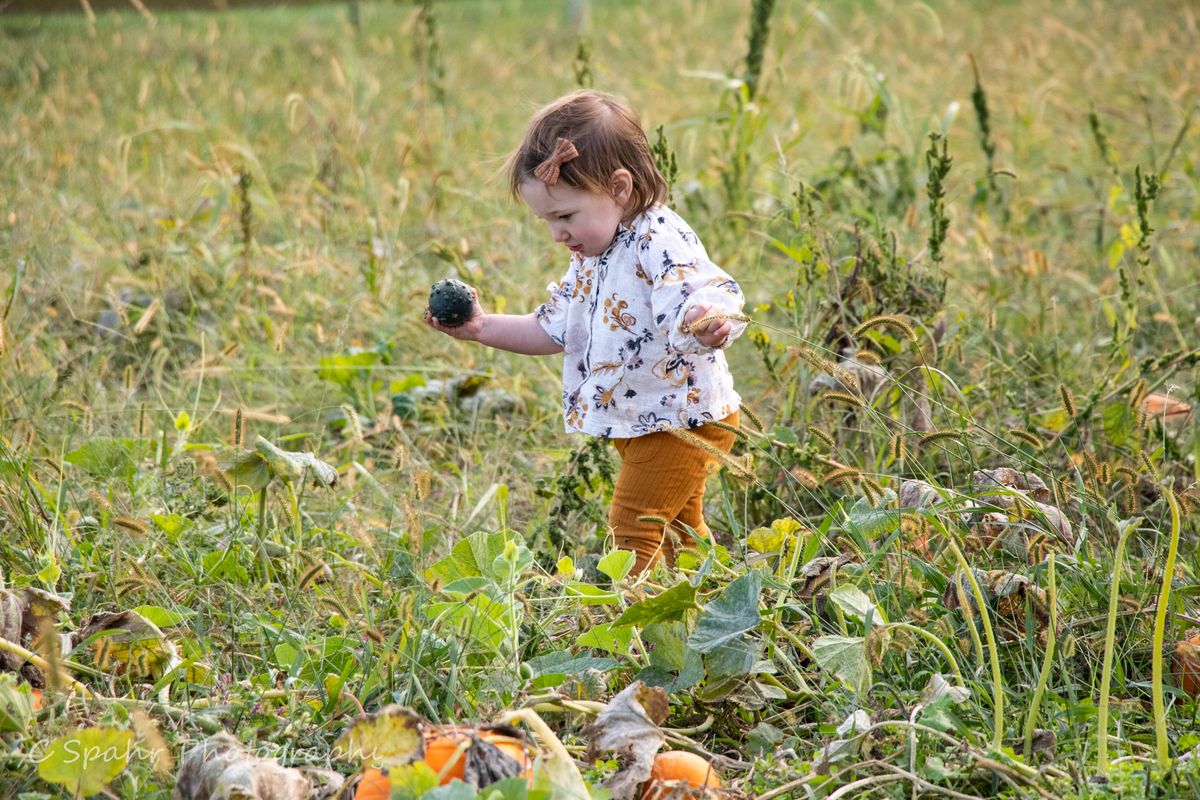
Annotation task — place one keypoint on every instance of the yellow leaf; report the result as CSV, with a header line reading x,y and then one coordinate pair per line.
x,y
391,737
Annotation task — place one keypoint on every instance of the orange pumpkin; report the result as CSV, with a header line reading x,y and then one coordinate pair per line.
x,y
441,744
679,765
1164,407
375,785
1187,665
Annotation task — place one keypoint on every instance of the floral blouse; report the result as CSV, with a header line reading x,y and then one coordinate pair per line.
x,y
629,368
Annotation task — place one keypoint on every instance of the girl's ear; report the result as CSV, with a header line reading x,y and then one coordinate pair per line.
x,y
621,186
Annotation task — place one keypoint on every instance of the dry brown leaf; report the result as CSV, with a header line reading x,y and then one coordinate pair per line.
x,y
817,573
220,768
628,727
917,495
1026,483
23,613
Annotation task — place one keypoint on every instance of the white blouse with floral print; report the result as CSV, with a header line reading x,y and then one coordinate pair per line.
x,y
629,367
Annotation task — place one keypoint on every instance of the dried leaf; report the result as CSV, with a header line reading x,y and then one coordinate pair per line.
x,y
916,495
23,613
1026,483
628,727
220,768
816,573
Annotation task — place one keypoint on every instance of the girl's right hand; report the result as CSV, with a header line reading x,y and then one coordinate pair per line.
x,y
469,331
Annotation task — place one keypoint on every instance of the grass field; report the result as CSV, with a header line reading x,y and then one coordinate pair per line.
x,y
222,226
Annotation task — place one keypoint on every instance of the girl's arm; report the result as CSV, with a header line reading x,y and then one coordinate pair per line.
x,y
514,333
517,334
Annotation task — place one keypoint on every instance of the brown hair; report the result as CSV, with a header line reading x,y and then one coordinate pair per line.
x,y
607,135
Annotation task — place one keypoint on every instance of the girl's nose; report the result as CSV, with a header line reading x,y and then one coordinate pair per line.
x,y
560,234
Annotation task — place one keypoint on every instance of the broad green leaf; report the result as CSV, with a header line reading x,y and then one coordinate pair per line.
x,y
672,665
617,564
250,470
766,540
874,521
16,704
563,663
1120,422
845,657
856,603
565,566
514,560
732,658
486,621
592,595
164,617
346,370
730,615
668,645
613,638
170,524
673,604
105,457
413,781
85,761
454,790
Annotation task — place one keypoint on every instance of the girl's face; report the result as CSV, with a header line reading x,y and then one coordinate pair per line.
x,y
585,222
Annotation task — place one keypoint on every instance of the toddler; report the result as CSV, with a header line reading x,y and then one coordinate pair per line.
x,y
641,315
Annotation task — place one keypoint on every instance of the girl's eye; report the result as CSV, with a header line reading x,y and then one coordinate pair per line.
x,y
565,217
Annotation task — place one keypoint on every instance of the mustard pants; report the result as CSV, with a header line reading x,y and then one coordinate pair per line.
x,y
663,476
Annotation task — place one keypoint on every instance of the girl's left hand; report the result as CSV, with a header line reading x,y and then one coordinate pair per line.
x,y
712,333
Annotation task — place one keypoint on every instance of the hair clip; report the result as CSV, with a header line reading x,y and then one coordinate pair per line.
x,y
547,171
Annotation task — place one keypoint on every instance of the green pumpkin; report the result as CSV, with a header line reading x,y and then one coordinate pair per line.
x,y
450,302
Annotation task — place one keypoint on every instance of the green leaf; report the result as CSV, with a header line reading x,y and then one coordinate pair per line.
x,y
486,621
163,617
345,370
612,638
940,715
455,790
856,603
105,457
732,658
672,665
617,564
412,781
845,657
592,595
170,524
85,761
1120,422
16,704
730,615
673,604
874,521
249,470
562,663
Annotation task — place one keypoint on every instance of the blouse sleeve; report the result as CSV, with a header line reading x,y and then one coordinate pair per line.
x,y
683,276
552,314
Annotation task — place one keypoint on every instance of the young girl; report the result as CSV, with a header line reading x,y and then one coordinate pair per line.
x,y
641,316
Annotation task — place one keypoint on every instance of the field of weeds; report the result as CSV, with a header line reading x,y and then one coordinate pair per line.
x,y
244,488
